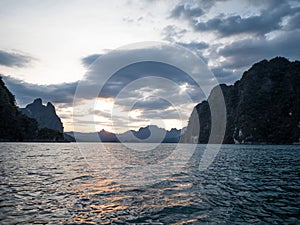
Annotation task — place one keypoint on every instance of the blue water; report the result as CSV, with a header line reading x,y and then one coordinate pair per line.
x,y
55,184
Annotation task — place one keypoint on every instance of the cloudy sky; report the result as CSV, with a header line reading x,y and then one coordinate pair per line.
x,y
47,47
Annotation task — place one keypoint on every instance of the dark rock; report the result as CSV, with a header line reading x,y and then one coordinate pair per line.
x,y
45,115
262,107
14,126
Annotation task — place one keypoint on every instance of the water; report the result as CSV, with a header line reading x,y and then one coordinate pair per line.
x,y
53,184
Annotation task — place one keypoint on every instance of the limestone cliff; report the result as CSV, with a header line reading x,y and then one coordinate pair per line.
x,y
45,115
262,107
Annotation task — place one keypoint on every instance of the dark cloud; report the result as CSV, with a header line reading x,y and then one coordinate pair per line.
x,y
139,79
161,114
88,60
13,59
227,75
26,92
135,71
246,52
186,11
194,45
270,19
152,103
240,55
293,22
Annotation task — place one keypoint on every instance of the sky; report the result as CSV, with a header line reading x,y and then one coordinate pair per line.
x,y
49,47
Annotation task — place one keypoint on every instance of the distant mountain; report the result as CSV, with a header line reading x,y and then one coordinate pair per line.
x,y
45,115
150,134
106,136
262,107
146,134
83,137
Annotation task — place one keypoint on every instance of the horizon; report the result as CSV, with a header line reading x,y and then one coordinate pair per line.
x,y
125,131
48,47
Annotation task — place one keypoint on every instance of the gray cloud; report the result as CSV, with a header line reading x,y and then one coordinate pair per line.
x,y
293,22
269,19
161,114
194,45
26,92
88,60
226,75
152,103
127,75
246,52
13,59
186,11
64,93
172,33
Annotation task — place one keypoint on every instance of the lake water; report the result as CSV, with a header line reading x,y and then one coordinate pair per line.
x,y
42,183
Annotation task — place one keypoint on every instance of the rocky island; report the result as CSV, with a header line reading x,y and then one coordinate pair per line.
x,y
262,107
45,115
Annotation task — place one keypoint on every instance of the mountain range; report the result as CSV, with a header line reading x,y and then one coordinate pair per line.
x,y
148,134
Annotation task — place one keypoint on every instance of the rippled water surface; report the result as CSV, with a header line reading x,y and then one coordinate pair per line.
x,y
53,183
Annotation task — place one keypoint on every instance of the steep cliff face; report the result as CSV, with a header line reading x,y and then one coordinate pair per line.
x,y
262,107
45,115
14,126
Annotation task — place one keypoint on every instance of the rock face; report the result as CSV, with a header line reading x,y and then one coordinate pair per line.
x,y
45,115
262,107
14,126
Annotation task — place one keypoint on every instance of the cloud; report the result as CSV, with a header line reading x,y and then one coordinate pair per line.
x,y
192,9
172,33
88,60
186,11
14,59
194,45
25,92
151,103
165,114
126,76
146,83
225,75
248,51
267,21
64,93
293,22
270,19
